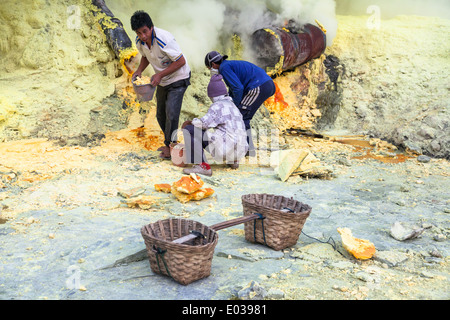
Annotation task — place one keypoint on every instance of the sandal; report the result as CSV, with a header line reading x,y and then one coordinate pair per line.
x,y
165,153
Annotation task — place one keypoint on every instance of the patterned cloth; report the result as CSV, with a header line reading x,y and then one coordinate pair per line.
x,y
225,130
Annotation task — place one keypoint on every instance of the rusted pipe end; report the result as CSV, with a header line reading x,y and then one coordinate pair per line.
x,y
278,49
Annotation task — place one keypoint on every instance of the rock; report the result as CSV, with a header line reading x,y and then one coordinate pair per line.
x,y
439,237
195,196
403,232
129,193
359,248
413,147
297,162
423,159
275,294
344,162
287,161
435,145
435,253
391,258
426,274
248,254
342,265
142,202
405,189
427,133
253,291
364,276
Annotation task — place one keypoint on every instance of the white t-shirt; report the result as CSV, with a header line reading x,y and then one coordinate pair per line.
x,y
162,53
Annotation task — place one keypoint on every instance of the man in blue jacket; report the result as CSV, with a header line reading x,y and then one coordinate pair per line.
x,y
249,86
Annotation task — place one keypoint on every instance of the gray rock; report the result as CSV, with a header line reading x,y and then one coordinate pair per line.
x,y
391,258
275,294
341,265
439,237
364,276
423,159
427,133
435,145
253,291
250,254
426,274
402,232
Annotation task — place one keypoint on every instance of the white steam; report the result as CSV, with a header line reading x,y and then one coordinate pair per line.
x,y
200,26
392,8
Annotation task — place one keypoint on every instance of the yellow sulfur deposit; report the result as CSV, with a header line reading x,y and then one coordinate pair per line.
x,y
359,248
188,184
127,55
142,80
142,202
186,189
196,196
277,70
164,187
321,27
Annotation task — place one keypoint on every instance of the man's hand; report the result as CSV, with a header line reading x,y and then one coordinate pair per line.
x,y
186,123
132,64
156,79
142,65
174,66
135,75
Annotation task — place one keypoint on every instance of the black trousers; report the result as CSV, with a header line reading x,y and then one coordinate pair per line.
x,y
168,107
250,104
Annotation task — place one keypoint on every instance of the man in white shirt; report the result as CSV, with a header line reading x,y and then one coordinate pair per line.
x,y
172,73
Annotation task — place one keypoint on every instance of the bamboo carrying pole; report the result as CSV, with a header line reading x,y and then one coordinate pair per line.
x,y
220,226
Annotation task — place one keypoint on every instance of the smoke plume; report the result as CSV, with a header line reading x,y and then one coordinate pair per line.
x,y
200,26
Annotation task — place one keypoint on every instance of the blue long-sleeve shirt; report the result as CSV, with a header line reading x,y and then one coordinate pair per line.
x,y
241,77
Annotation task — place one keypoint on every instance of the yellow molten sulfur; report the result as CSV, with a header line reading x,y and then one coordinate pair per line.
x,y
321,27
126,55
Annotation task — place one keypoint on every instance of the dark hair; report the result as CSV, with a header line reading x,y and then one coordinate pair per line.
x,y
141,19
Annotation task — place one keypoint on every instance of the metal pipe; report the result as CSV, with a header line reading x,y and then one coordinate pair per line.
x,y
278,49
116,36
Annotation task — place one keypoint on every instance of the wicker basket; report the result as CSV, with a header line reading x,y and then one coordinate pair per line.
x,y
186,262
283,223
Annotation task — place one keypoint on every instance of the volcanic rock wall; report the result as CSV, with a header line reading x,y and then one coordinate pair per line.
x,y
60,80
395,84
57,72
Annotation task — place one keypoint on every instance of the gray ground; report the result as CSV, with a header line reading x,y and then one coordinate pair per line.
x,y
79,231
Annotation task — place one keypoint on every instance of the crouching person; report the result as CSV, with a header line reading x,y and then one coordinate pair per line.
x,y
221,132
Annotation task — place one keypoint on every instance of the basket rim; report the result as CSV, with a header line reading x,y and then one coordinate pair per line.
x,y
147,236
307,211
